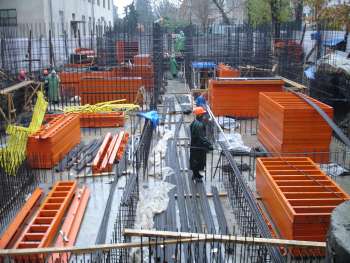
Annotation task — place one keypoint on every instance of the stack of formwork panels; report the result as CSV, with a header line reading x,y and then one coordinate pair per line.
x,y
143,59
96,119
92,91
126,50
287,124
53,141
298,196
239,97
225,71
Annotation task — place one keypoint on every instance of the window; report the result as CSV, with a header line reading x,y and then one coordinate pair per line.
x,y
109,4
90,24
73,17
98,2
8,17
83,25
104,3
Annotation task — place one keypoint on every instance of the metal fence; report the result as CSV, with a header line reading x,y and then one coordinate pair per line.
x,y
105,64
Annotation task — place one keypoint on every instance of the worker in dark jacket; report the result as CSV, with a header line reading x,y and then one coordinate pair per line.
x,y
200,145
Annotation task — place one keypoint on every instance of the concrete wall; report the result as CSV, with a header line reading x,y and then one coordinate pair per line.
x,y
29,11
39,11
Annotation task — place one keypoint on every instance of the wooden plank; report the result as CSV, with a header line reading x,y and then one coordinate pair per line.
x,y
20,217
224,238
180,239
294,84
16,87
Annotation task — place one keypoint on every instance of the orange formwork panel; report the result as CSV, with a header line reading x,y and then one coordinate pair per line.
x,y
71,225
239,97
70,80
53,141
111,149
142,59
44,226
287,124
102,151
226,71
92,91
21,216
96,120
298,196
126,50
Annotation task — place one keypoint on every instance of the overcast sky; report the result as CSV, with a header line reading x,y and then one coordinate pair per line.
x,y
120,4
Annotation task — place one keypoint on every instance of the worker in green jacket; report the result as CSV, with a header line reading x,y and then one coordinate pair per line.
x,y
200,144
53,92
173,66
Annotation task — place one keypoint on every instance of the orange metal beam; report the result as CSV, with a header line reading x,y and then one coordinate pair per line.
x,y
71,225
16,223
101,153
43,228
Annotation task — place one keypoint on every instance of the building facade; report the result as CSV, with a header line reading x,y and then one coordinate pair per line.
x,y
59,14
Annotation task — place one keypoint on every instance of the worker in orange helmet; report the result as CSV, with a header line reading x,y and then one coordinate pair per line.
x,y
200,144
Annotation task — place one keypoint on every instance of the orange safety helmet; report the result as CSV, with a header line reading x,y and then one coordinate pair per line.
x,y
198,111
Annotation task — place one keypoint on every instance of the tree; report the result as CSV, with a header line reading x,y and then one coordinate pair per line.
x,y
130,19
170,14
220,4
274,11
144,11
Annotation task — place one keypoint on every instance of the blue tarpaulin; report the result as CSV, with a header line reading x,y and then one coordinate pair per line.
x,y
203,65
333,41
152,116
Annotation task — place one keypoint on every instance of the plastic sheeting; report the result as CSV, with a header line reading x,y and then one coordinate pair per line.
x,y
153,200
333,169
158,153
235,142
228,123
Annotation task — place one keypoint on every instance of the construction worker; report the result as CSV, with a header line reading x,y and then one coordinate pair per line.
x,y
200,145
22,76
46,80
53,93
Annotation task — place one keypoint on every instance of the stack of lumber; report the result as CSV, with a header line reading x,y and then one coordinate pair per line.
x,y
287,124
298,196
239,97
49,145
226,71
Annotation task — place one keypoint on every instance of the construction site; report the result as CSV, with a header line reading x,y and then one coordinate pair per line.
x,y
96,146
